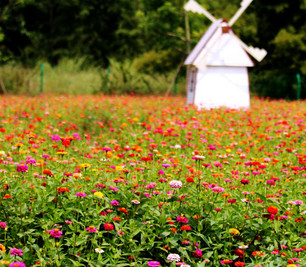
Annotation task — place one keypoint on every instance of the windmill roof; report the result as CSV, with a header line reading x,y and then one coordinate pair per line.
x,y
218,49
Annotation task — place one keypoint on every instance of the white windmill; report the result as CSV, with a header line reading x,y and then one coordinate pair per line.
x,y
218,74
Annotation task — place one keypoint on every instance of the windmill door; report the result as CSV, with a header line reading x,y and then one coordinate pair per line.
x,y
191,84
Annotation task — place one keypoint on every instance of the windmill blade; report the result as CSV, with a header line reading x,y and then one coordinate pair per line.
x,y
244,4
255,52
193,6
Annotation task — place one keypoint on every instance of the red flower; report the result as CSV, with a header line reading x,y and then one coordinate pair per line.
x,y
239,252
299,219
66,142
272,210
173,230
239,264
108,226
189,180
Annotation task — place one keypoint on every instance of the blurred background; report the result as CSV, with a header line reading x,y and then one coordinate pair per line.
x,y
139,46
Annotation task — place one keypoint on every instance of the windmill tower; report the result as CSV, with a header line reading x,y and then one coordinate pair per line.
x,y
218,75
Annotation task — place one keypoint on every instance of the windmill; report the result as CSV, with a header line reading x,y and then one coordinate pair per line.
x,y
217,75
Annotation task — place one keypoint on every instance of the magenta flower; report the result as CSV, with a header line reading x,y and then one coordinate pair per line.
x,y
56,137
218,189
2,224
91,229
197,254
16,252
108,226
80,194
56,233
182,219
17,264
31,161
245,181
22,168
114,203
151,185
153,263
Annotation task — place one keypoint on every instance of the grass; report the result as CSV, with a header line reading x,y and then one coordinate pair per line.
x,y
69,77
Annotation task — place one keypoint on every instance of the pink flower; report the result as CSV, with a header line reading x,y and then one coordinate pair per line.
x,y
2,225
56,233
182,219
91,229
55,138
218,189
17,264
245,181
173,257
151,185
80,194
108,226
16,252
153,263
22,168
197,254
115,189
232,201
114,203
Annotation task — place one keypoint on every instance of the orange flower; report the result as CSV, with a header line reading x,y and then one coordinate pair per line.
x,y
116,219
257,253
173,230
185,228
47,172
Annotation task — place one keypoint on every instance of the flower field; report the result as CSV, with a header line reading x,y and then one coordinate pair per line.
x,y
147,181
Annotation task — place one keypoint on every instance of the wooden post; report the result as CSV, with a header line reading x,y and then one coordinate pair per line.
x,y
3,86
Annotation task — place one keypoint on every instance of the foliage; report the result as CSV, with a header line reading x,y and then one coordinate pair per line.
x,y
32,31
128,77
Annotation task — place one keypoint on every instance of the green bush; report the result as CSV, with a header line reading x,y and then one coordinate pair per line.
x,y
125,77
277,86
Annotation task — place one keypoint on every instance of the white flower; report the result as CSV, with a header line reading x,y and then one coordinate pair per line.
x,y
99,250
198,157
175,184
173,257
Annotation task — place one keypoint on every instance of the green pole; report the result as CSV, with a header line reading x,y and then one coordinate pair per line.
x,y
299,85
106,80
41,77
